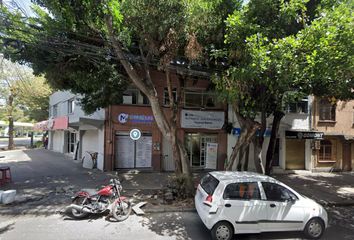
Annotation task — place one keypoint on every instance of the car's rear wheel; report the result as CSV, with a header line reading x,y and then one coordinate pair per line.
x,y
314,228
222,231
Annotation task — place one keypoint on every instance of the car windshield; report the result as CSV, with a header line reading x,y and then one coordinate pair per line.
x,y
209,184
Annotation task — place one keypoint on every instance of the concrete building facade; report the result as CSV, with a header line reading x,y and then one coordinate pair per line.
x,y
200,121
72,132
294,141
336,119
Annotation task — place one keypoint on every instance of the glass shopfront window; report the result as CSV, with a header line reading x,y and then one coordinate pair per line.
x,y
196,144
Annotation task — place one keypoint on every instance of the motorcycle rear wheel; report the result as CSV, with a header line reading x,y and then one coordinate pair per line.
x,y
121,210
76,213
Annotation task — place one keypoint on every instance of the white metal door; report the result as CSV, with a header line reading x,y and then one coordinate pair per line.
x,y
125,151
133,154
143,152
168,164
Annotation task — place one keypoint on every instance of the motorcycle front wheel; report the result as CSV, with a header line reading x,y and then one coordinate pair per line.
x,y
76,213
121,210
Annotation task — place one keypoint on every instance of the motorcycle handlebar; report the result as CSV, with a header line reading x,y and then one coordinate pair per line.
x,y
114,181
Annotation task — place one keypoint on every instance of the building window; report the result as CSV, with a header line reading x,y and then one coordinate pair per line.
x,y
197,98
196,145
134,96
327,110
325,152
299,107
166,99
55,110
71,105
71,142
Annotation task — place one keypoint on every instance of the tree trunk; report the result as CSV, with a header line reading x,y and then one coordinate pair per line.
x,y
245,165
11,144
240,158
258,144
248,130
167,128
278,115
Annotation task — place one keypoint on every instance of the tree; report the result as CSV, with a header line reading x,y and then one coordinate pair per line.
x,y
33,97
120,41
9,80
273,59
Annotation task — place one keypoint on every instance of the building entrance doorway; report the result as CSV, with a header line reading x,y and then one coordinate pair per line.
x,y
295,154
197,148
133,154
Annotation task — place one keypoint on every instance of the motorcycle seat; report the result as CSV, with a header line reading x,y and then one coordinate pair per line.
x,y
90,191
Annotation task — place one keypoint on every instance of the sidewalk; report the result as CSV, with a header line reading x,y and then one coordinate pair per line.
x,y
332,189
45,182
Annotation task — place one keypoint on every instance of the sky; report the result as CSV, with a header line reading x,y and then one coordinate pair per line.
x,y
23,4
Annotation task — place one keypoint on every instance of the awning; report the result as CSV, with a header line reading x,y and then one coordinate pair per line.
x,y
93,122
60,123
78,123
41,126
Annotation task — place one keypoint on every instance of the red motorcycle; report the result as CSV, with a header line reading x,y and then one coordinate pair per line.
x,y
90,201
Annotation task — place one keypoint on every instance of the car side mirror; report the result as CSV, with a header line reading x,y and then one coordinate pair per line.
x,y
291,199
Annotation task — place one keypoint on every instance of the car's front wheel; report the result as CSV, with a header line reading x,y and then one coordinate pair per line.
x,y
314,228
222,231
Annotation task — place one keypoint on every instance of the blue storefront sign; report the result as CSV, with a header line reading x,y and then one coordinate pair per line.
x,y
135,118
237,132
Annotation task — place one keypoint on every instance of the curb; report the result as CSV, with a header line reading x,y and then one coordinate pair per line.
x,y
169,210
339,204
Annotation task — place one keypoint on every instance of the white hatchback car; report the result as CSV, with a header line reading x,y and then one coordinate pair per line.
x,y
230,203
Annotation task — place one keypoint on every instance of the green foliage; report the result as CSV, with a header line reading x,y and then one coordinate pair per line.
x,y
327,53
67,46
33,97
68,41
30,93
280,51
180,186
38,144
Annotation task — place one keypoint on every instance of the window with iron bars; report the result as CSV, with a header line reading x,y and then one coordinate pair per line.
x,y
327,110
198,98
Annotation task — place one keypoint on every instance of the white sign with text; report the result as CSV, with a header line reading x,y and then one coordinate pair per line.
x,y
211,155
202,119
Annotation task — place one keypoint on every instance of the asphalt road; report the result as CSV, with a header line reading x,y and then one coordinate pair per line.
x,y
43,171
178,226
23,141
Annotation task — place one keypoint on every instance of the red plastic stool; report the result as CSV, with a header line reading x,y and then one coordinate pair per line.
x,y
5,175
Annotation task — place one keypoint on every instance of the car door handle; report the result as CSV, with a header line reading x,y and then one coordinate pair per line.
x,y
227,205
272,205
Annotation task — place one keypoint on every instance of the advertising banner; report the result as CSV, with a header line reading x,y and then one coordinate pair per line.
x,y
202,119
211,155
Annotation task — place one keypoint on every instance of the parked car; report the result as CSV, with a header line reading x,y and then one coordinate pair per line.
x,y
231,203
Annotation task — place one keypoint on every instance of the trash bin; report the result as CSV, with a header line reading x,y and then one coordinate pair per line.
x,y
8,196
1,196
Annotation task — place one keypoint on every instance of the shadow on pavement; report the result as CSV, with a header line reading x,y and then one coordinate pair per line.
x,y
326,188
179,226
6,228
45,181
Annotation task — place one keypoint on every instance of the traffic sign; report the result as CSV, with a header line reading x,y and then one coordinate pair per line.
x,y
135,134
